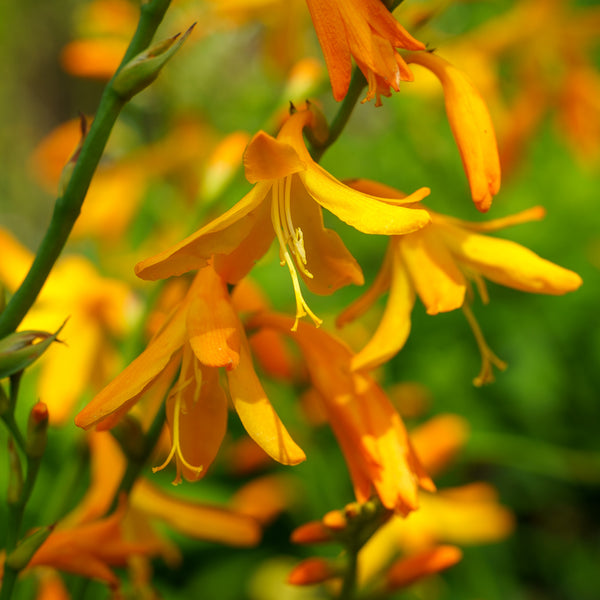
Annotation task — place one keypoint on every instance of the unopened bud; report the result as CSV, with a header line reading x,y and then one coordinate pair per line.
x,y
311,571
144,68
37,430
19,350
314,532
23,553
336,520
15,475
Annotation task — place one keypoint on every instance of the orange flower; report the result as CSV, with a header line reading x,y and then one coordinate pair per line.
x,y
286,203
471,126
370,432
366,31
437,263
202,334
90,549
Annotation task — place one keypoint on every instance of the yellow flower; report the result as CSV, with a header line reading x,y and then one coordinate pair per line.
x,y
286,203
437,263
370,432
366,31
202,334
98,310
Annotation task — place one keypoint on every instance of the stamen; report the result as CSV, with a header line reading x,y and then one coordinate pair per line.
x,y
176,444
488,358
294,240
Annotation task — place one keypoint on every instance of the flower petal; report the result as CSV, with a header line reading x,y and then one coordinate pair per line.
x,y
394,327
267,158
201,416
196,520
221,236
508,263
127,387
363,212
212,325
331,33
257,414
471,126
328,260
435,275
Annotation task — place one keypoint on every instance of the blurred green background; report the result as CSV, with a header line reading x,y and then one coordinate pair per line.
x,y
535,431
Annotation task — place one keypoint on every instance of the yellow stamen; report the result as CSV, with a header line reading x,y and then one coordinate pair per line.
x,y
176,445
290,239
488,358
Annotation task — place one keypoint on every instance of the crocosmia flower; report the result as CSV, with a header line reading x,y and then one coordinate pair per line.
x,y
437,263
202,334
366,31
286,204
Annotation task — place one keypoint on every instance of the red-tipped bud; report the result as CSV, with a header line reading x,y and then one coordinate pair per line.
x,y
312,571
406,571
37,430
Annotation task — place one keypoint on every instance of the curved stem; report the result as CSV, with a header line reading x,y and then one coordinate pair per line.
x,y
68,206
340,120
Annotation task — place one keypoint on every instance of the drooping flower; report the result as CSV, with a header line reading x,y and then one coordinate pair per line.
x,y
471,126
370,432
366,31
201,335
437,263
286,203
98,309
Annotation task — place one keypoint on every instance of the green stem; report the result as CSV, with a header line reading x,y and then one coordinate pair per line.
x,y
68,206
135,464
340,120
348,591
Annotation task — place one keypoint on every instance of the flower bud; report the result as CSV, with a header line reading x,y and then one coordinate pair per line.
x,y
15,475
314,532
37,430
311,571
19,350
23,553
144,68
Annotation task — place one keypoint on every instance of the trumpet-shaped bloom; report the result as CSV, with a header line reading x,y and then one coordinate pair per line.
x,y
370,432
98,310
437,263
202,334
286,203
366,31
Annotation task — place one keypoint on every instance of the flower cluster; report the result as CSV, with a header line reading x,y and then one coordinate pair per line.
x,y
212,342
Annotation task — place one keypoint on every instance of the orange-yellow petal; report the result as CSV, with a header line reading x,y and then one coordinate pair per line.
x,y
508,263
258,415
212,324
394,327
126,388
196,520
471,126
363,212
267,158
436,277
327,259
221,236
